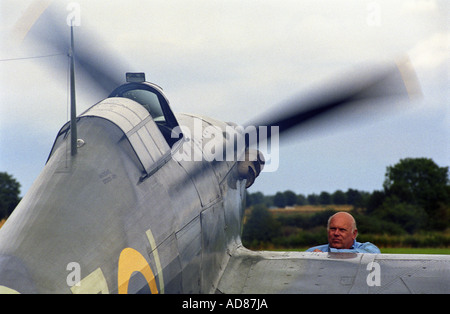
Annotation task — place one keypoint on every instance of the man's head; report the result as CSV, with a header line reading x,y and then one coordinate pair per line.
x,y
341,230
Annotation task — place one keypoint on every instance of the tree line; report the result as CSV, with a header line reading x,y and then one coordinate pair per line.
x,y
414,199
9,194
289,198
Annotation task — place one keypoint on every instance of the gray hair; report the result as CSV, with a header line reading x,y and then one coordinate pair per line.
x,y
350,216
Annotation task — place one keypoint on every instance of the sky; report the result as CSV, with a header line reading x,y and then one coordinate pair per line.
x,y
232,60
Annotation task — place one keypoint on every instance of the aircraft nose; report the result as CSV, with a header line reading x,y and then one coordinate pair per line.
x,y
14,277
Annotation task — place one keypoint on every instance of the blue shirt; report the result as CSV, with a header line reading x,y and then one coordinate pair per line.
x,y
357,247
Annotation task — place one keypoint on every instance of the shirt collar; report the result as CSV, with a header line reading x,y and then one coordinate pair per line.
x,y
352,247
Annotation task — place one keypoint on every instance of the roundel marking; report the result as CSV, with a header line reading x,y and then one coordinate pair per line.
x,y
131,261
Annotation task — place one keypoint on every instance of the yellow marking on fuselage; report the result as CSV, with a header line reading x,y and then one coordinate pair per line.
x,y
152,241
131,261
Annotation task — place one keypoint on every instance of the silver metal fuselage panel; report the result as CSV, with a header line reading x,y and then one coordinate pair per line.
x,y
123,200
89,208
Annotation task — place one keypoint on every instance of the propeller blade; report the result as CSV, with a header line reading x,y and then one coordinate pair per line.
x,y
363,90
95,61
367,89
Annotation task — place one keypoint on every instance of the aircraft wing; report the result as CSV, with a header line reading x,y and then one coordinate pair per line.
x,y
268,272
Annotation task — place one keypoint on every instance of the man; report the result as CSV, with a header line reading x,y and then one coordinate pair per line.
x,y
342,234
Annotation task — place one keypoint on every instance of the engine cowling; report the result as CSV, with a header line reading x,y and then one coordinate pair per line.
x,y
251,166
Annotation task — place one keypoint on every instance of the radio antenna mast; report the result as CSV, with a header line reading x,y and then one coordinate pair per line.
x,y
73,109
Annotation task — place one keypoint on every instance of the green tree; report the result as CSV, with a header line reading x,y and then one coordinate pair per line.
x,y
375,200
260,227
354,197
290,198
279,200
301,199
9,194
325,198
409,217
254,198
313,199
339,198
421,182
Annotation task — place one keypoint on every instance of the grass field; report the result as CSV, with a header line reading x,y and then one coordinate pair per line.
x,y
441,251
307,209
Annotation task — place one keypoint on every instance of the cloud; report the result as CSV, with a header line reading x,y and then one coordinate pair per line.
x,y
420,6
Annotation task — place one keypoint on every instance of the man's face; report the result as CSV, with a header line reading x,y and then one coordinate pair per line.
x,y
340,233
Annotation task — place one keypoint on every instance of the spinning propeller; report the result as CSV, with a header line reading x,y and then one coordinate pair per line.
x,y
367,88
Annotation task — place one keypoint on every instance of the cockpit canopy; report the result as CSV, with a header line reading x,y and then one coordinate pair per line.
x,y
150,96
129,114
147,99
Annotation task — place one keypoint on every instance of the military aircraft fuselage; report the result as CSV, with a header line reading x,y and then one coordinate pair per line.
x,y
123,215
152,202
